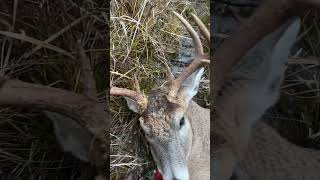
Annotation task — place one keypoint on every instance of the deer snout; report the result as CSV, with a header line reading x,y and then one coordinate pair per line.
x,y
180,178
182,174
176,175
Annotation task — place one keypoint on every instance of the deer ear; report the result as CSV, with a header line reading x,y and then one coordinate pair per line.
x,y
144,126
190,86
282,47
133,105
72,137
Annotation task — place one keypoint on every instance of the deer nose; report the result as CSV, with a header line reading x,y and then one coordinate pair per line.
x,y
180,178
181,174
175,178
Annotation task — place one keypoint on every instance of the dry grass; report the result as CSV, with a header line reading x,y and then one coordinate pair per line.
x,y
299,105
38,44
145,36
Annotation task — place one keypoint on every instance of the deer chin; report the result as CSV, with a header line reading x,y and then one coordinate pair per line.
x,y
179,174
170,172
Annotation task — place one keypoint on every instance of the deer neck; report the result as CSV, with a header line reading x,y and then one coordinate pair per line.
x,y
199,155
199,118
270,156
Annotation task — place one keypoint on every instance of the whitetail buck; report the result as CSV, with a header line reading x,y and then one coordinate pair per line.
x,y
81,122
177,129
251,149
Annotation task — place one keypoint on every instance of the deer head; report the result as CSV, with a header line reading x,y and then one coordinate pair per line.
x,y
162,111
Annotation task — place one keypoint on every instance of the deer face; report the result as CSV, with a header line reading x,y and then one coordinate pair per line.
x,y
168,132
167,127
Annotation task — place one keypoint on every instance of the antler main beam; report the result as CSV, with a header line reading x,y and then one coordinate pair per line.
x,y
204,30
200,57
268,17
135,95
89,113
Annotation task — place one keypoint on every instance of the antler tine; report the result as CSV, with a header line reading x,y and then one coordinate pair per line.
x,y
196,39
197,61
87,73
203,29
137,96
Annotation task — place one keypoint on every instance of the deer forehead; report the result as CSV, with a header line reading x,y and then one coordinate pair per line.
x,y
161,113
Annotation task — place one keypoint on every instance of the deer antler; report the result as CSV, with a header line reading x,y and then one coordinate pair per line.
x,y
84,109
139,97
200,58
266,18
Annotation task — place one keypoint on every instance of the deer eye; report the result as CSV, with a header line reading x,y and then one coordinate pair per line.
x,y
182,122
